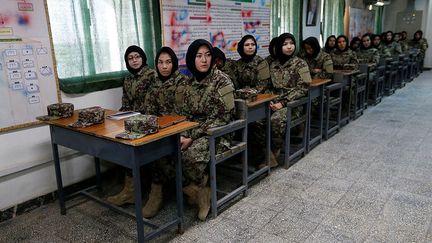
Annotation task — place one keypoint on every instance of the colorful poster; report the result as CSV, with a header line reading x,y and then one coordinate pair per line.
x,y
222,22
362,21
27,72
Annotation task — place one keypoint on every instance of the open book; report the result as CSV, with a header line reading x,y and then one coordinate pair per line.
x,y
122,115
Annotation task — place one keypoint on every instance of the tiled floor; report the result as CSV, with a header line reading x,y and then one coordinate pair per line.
x,y
372,182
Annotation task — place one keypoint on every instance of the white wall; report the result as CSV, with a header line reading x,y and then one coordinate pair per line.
x,y
389,21
26,164
390,14
426,6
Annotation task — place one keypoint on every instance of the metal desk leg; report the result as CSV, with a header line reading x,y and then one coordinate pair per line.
x,y
138,200
58,177
98,174
268,136
179,185
321,112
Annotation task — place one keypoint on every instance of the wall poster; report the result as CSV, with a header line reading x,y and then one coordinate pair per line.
x,y
361,21
222,22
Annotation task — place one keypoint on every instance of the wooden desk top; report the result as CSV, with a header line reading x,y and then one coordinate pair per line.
x,y
346,72
110,128
318,82
261,98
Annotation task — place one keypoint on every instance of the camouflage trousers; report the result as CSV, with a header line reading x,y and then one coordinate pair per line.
x,y
194,162
256,134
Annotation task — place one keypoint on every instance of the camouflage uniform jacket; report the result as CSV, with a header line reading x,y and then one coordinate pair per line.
x,y
253,74
229,68
210,102
421,45
269,59
322,61
404,45
290,80
394,48
384,52
328,52
346,60
137,90
166,98
370,55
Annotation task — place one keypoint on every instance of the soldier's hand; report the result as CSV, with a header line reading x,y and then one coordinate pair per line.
x,y
317,70
276,106
185,143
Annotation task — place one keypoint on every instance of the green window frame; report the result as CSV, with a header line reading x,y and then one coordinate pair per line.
x,y
89,48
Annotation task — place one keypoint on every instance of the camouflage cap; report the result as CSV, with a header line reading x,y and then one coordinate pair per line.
x,y
89,116
139,126
57,111
248,94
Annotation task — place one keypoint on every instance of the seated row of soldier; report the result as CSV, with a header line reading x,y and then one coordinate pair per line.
x,y
208,98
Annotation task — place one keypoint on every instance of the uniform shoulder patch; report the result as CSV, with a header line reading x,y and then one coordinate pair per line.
x,y
225,90
263,70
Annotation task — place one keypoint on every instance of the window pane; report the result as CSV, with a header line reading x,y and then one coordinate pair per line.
x,y
113,30
68,38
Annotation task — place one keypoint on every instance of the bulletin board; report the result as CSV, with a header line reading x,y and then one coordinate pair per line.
x,y
28,80
361,21
221,22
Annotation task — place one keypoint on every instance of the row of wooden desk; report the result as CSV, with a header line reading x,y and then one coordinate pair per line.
x,y
99,141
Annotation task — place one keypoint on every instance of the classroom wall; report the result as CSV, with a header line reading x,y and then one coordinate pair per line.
x,y
389,20
26,165
426,6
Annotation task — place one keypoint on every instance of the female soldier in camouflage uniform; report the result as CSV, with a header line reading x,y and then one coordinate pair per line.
x,y
398,40
206,98
391,45
376,43
319,62
420,44
368,54
139,82
164,102
290,79
137,93
355,44
251,70
404,41
164,97
343,57
330,44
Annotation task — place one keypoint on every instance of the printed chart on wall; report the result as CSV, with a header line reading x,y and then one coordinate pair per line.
x,y
222,22
27,80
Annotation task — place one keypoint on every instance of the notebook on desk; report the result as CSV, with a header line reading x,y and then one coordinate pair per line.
x,y
166,121
122,115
